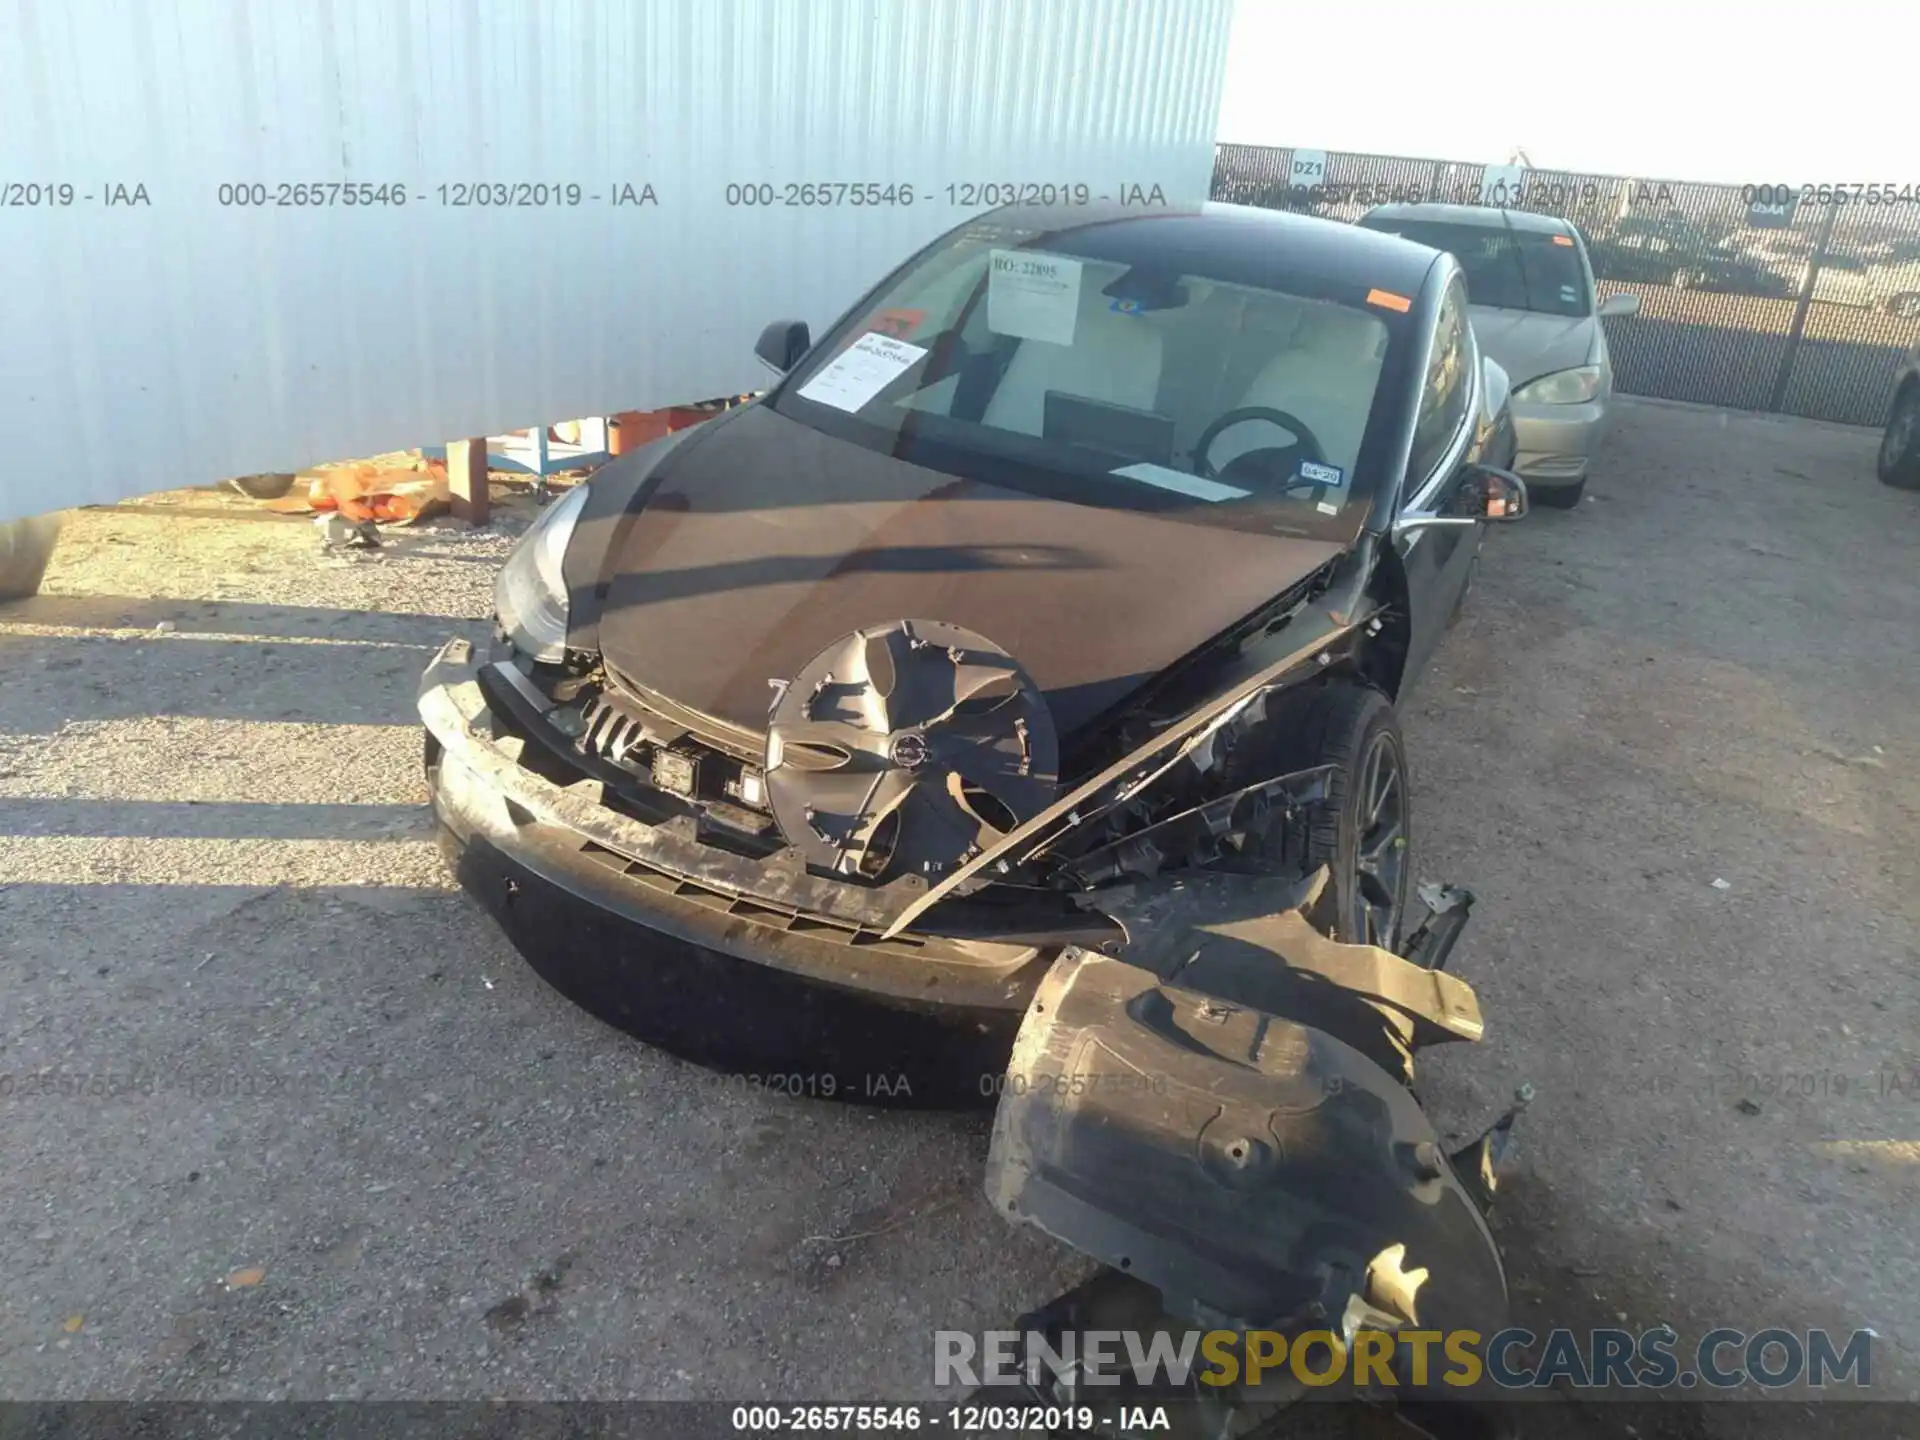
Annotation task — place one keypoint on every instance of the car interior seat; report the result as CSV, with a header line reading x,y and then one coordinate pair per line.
x,y
1326,376
1114,358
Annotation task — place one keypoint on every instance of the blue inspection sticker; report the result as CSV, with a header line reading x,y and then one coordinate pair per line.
x,y
1321,474
1126,307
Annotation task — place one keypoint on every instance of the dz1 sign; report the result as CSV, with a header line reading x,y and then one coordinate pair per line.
x,y
1309,168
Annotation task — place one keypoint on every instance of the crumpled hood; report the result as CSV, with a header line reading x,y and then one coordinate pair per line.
x,y
1528,345
756,543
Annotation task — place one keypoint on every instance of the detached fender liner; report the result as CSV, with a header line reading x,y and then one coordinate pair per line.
x,y
1251,1169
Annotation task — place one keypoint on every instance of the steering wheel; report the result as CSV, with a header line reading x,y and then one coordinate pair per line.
x,y
1305,442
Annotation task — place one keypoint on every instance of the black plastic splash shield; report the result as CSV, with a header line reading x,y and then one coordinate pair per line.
x,y
1251,1169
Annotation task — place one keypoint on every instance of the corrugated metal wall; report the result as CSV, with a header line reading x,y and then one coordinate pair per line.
x,y
183,339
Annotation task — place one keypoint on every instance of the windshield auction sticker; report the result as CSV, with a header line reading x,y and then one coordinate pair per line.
x,y
1185,484
1033,296
861,371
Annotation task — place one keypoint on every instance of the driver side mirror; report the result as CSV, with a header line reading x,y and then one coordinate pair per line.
x,y
1481,493
1625,303
1487,493
782,344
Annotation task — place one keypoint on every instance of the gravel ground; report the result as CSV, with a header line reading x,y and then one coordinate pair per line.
x,y
1671,745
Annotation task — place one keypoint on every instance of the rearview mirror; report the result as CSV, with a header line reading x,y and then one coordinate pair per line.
x,y
782,344
1623,304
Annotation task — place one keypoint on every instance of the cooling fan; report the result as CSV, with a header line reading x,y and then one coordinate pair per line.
x,y
907,748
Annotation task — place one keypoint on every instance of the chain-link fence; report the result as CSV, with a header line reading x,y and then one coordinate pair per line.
x,y
1798,299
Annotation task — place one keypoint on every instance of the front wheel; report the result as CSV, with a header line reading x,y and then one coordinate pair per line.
x,y
1364,833
1899,460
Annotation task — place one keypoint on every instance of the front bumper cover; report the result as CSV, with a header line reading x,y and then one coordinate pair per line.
x,y
1557,442
661,934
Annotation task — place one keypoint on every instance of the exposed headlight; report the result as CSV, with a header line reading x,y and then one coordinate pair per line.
x,y
1563,387
530,593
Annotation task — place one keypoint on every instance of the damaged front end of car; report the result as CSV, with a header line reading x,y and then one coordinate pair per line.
x,y
1206,1092
908,827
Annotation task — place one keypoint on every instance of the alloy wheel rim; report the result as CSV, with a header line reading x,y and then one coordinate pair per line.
x,y
1380,850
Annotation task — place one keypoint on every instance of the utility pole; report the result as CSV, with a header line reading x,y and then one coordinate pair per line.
x,y
1801,306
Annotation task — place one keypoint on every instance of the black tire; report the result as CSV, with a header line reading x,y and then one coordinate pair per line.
x,y
1904,306
1352,726
1557,497
1898,463
263,487
25,548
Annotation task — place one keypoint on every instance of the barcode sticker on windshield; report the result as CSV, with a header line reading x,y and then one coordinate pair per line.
x,y
1321,474
1033,296
860,372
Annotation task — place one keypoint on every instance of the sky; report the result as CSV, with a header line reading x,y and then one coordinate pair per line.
x,y
1756,93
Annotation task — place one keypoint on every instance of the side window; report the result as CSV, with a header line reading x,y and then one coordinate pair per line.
x,y
1448,389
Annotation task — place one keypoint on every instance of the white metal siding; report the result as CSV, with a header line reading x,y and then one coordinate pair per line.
x,y
183,341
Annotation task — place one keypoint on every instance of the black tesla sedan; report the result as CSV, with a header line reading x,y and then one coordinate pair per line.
x,y
1092,546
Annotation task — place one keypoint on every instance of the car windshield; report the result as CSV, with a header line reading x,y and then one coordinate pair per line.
x,y
1508,269
1107,383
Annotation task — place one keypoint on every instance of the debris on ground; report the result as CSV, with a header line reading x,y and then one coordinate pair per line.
x,y
338,532
398,491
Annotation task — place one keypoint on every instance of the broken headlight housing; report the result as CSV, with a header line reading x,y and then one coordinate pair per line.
x,y
530,593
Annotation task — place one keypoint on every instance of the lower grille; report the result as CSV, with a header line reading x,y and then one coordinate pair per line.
x,y
612,732
615,728
670,723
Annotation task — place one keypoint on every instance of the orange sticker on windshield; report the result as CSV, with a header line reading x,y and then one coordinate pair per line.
x,y
897,323
1566,240
1389,300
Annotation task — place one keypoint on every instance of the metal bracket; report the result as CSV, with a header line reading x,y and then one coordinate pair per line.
x,y
1149,850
